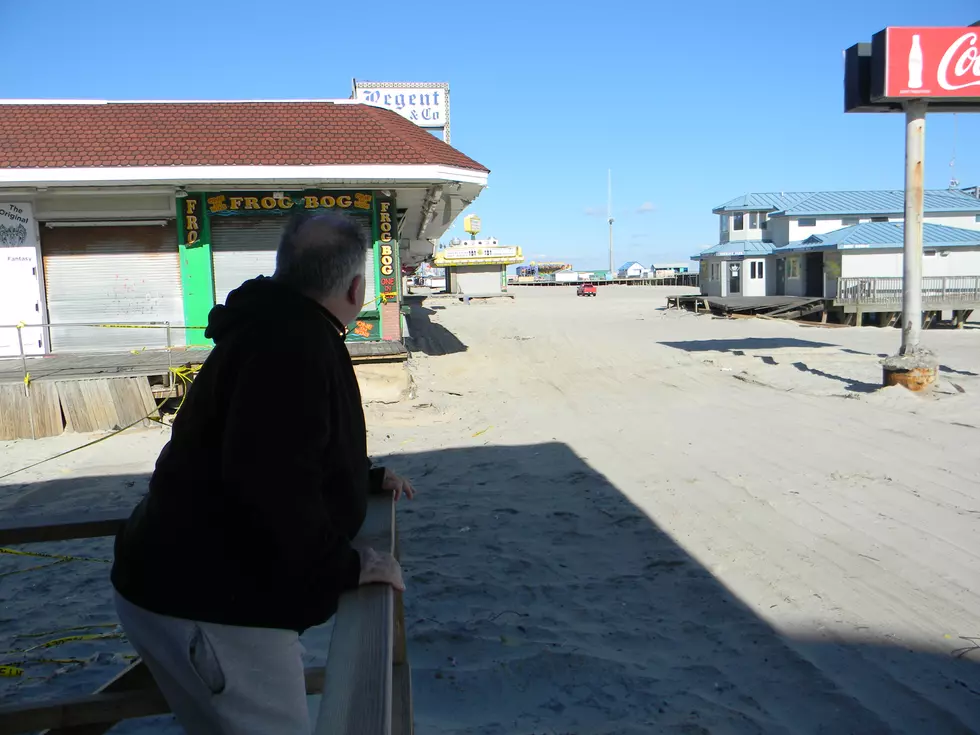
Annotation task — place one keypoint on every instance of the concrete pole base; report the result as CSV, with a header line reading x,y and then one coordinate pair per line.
x,y
916,371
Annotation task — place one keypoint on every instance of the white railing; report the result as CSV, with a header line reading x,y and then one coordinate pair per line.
x,y
937,291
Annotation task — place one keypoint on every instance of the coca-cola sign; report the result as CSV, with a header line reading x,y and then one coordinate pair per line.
x,y
922,63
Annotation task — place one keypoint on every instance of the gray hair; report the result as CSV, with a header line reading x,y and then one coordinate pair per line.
x,y
321,253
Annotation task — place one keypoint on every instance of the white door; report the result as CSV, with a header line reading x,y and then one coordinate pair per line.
x,y
20,281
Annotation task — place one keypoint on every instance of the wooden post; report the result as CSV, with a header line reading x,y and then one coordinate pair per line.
x,y
358,679
402,715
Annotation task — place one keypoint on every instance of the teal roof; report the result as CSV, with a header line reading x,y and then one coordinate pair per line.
x,y
830,203
887,235
766,202
736,249
881,202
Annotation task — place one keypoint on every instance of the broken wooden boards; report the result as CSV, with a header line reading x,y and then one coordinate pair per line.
x,y
55,406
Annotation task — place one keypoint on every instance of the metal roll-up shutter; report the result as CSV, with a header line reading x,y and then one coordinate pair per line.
x,y
478,279
245,247
112,275
370,287
242,248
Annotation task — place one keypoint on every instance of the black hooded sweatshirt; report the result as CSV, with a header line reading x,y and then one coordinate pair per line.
x,y
254,501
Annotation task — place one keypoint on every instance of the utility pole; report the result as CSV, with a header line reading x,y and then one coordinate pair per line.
x,y
612,272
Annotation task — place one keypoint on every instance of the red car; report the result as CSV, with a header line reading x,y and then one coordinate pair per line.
x,y
587,289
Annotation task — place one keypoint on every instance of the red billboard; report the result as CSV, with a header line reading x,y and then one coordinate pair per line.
x,y
923,63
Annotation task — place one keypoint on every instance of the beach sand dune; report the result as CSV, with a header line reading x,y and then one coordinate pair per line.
x,y
633,521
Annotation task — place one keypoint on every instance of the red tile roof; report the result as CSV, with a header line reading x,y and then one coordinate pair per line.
x,y
215,134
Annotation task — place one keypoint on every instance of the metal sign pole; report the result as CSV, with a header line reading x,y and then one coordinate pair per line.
x,y
915,142
913,367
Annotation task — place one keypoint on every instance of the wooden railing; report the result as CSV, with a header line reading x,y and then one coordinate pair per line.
x,y
937,291
366,684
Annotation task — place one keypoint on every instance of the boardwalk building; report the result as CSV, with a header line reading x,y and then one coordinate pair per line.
x,y
151,212
844,247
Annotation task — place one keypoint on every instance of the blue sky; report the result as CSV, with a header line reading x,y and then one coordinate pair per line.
x,y
690,104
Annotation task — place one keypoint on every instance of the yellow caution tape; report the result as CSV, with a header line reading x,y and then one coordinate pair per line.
x,y
94,441
67,630
132,326
21,325
11,671
33,569
52,556
27,379
69,639
73,629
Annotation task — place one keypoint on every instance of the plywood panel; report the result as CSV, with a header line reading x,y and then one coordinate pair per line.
x,y
46,406
105,404
15,423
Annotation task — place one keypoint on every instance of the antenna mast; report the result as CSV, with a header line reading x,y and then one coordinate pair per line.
x,y
609,215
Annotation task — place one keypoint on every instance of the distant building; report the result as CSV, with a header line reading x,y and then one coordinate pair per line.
x,y
669,270
815,243
477,267
633,269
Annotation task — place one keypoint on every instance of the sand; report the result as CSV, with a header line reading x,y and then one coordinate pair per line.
x,y
629,521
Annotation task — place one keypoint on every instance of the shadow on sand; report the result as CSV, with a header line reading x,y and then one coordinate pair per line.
x,y
426,336
737,346
540,599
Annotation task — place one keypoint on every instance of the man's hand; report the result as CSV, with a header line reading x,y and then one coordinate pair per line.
x,y
380,569
397,485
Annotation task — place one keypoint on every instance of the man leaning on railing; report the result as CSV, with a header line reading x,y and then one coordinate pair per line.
x,y
244,539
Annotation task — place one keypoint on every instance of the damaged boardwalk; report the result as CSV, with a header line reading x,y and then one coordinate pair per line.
x,y
781,307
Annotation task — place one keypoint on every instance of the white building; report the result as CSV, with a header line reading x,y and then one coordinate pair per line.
x,y
477,267
669,269
632,269
823,244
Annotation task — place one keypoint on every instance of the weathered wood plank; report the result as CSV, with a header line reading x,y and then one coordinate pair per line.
x,y
400,651
132,399
77,366
13,412
131,694
73,406
402,711
134,678
358,687
61,528
46,406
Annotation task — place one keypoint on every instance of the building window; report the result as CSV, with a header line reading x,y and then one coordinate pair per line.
x,y
758,269
724,223
754,221
879,219
738,221
715,271
849,221
807,222
763,220
792,267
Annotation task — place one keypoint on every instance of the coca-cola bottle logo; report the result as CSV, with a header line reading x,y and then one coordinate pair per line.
x,y
965,65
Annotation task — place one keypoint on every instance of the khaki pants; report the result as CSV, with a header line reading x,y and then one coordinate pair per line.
x,y
222,679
